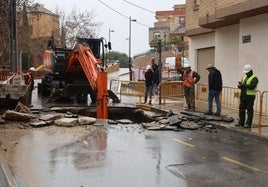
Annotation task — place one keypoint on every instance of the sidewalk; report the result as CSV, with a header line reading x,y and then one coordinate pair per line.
x,y
178,106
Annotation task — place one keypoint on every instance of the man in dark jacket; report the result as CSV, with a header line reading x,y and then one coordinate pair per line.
x,y
148,84
215,88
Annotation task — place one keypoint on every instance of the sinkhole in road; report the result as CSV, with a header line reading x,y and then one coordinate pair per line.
x,y
134,114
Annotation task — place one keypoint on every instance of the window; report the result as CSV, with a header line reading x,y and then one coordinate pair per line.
x,y
196,2
157,35
182,20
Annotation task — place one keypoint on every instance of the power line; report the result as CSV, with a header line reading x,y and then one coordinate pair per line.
x,y
121,13
140,7
113,9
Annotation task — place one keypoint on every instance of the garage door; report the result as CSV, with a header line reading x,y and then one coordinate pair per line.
x,y
205,56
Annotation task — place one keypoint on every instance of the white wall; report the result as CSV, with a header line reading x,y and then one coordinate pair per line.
x,y
231,54
227,55
255,52
199,42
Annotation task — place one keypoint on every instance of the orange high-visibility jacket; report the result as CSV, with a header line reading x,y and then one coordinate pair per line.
x,y
188,79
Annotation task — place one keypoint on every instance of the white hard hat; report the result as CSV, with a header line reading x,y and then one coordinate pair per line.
x,y
148,67
247,68
32,69
186,66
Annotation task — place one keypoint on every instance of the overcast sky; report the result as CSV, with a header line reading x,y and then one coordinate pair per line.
x,y
117,18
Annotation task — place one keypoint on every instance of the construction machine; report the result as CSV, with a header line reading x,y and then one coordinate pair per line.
x,y
77,72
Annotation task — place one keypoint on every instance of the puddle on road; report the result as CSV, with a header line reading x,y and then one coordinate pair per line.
x,y
61,151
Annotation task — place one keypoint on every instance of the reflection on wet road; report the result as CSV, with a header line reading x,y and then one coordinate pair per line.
x,y
127,155
92,156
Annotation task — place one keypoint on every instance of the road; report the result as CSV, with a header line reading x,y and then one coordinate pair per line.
x,y
128,155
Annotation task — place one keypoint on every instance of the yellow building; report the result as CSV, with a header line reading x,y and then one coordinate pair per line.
x,y
42,24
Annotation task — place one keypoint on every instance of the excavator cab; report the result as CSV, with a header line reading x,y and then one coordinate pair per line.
x,y
94,44
72,72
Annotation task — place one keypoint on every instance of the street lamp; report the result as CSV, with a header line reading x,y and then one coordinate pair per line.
x,y
110,34
129,52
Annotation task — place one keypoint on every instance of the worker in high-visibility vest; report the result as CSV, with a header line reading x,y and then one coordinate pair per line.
x,y
248,86
29,81
189,79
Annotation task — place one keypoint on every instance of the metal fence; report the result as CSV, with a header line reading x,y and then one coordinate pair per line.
x,y
263,110
169,89
230,97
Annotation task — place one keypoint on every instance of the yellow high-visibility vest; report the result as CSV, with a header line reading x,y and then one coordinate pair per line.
x,y
249,92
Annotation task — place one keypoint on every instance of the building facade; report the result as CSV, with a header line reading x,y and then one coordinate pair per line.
x,y
43,22
228,34
170,23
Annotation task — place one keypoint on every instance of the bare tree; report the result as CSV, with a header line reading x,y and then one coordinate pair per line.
x,y
5,20
79,24
4,31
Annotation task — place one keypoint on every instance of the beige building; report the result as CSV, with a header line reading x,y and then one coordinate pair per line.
x,y
33,38
170,23
229,34
43,22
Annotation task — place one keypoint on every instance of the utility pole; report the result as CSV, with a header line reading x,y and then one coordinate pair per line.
x,y
159,49
129,48
13,36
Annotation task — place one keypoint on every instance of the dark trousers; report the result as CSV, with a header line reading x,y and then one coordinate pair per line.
x,y
29,97
246,104
189,97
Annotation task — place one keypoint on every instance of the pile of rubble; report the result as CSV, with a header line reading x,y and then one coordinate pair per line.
x,y
23,115
165,121
185,120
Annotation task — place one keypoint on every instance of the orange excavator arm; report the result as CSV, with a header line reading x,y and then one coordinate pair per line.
x,y
96,78
88,62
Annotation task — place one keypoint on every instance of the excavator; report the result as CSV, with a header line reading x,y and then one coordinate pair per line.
x,y
77,72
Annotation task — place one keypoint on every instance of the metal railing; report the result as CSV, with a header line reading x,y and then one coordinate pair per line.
x,y
263,120
230,97
169,89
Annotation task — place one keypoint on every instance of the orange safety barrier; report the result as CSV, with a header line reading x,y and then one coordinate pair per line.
x,y
263,117
169,89
230,96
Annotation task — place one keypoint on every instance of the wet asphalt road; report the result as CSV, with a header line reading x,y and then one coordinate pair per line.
x,y
127,155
